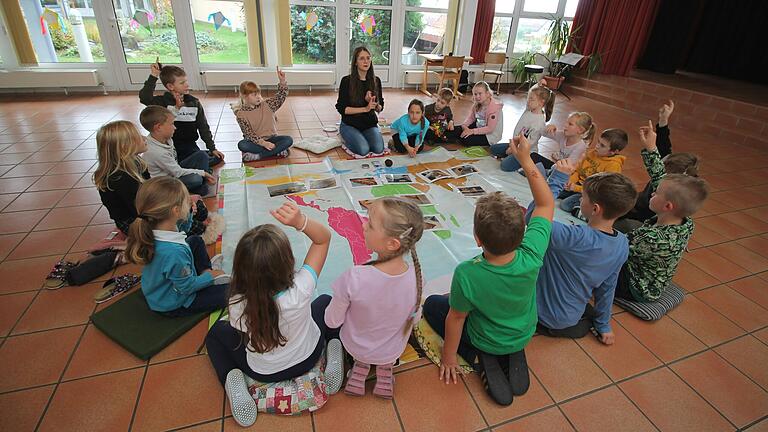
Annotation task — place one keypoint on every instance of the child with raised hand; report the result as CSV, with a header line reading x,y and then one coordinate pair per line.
x,y
539,107
440,117
411,130
655,247
377,304
177,278
572,142
605,157
485,123
256,117
188,112
583,261
274,331
120,171
491,310
674,163
161,157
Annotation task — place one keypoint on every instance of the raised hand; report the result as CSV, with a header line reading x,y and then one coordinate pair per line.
x,y
209,178
280,75
648,137
665,111
289,215
154,68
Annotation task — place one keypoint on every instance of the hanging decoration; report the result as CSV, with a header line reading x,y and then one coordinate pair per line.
x,y
219,19
312,20
367,25
53,20
142,18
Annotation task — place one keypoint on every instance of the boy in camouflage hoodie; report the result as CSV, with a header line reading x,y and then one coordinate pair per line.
x,y
655,247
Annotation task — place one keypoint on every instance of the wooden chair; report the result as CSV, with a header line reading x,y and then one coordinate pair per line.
x,y
493,59
452,66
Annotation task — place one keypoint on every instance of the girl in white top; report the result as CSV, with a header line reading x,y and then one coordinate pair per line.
x,y
273,334
533,122
571,143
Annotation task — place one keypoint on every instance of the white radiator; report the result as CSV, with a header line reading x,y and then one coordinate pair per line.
x,y
38,78
417,76
231,78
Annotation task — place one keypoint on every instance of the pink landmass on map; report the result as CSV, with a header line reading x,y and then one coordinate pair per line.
x,y
346,223
299,200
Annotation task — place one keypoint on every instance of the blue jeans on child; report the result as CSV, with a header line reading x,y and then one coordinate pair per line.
x,y
281,142
195,183
362,142
508,162
569,200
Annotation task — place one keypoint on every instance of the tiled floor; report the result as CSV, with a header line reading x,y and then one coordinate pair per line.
x,y
703,367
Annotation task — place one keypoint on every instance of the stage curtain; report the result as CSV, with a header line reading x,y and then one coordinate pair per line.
x,y
481,36
616,29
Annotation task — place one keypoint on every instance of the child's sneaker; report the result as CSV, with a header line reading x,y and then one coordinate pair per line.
x,y
356,379
334,366
217,261
240,400
284,154
495,382
385,382
250,157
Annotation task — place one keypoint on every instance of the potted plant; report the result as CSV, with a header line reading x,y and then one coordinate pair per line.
x,y
517,68
560,37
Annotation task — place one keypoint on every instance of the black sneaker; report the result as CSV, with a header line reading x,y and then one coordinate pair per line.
x,y
494,380
519,378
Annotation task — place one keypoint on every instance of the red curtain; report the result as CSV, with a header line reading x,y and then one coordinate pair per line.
x,y
481,37
618,30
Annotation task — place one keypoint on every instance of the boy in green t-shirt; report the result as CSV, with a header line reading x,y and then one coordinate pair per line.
x,y
491,311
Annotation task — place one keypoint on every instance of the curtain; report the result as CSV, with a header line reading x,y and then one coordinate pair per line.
x,y
284,45
481,36
450,28
618,30
251,11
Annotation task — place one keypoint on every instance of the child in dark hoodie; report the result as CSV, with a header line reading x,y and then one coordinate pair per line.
x,y
190,122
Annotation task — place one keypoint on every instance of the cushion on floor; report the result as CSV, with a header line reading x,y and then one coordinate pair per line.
x,y
317,144
141,331
652,311
294,396
432,345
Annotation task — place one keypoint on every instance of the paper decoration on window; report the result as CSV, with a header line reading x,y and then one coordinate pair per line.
x,y
142,18
219,19
53,20
312,20
367,24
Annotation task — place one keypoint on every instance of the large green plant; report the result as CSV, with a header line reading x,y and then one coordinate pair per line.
x,y
517,68
559,35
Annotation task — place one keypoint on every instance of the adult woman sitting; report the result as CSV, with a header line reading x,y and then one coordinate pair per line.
x,y
359,100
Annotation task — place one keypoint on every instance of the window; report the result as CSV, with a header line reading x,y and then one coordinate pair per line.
x,y
147,31
63,34
523,25
220,31
313,33
425,24
371,29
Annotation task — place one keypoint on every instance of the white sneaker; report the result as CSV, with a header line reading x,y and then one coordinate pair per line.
x,y
240,400
217,261
334,366
250,157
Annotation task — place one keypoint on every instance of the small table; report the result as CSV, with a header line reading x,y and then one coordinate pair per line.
x,y
433,60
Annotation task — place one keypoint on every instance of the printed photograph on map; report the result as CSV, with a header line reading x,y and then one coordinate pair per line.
x,y
434,175
432,223
365,204
471,191
363,181
398,178
286,189
325,183
418,199
462,170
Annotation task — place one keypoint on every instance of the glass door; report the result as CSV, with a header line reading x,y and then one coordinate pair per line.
x,y
370,25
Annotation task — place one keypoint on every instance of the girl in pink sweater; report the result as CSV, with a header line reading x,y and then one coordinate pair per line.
x,y
376,305
485,123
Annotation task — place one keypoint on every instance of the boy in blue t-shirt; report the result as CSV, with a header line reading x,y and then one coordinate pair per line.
x,y
491,311
584,260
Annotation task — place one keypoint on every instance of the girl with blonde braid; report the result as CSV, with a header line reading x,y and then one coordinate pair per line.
x,y
376,305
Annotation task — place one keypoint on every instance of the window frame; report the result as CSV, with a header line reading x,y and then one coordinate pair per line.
x,y
519,14
403,17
